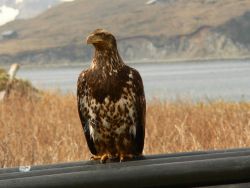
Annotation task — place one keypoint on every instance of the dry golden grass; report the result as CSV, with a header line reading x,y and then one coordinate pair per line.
x,y
47,129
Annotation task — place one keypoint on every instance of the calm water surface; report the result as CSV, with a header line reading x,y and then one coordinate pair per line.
x,y
228,80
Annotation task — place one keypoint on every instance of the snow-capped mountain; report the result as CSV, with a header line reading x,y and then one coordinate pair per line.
x,y
7,14
22,9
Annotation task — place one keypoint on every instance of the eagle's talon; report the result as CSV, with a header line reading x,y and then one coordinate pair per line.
x,y
121,159
102,161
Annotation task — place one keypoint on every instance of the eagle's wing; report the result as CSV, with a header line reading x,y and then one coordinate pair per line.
x,y
140,111
81,92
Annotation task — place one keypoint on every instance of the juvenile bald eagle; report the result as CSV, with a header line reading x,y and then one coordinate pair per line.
x,y
111,102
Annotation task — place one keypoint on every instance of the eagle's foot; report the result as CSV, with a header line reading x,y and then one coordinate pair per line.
x,y
123,157
104,158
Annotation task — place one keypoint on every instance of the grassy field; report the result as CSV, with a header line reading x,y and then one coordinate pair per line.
x,y
47,129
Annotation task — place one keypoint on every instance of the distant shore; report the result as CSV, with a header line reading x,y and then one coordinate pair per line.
x,y
146,61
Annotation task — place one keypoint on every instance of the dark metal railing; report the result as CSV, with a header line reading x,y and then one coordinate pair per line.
x,y
202,168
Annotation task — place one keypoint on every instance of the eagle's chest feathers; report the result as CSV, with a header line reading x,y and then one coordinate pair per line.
x,y
110,107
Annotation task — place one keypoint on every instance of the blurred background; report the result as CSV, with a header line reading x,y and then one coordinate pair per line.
x,y
193,55
196,49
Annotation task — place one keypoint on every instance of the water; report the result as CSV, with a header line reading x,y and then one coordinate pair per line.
x,y
228,80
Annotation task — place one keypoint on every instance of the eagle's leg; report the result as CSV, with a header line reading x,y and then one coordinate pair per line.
x,y
126,156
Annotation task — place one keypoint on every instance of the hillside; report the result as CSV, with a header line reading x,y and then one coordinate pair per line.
x,y
23,9
165,30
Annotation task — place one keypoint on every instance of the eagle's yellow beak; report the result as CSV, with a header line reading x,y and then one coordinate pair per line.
x,y
92,39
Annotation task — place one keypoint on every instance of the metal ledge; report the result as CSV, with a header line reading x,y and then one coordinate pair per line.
x,y
190,169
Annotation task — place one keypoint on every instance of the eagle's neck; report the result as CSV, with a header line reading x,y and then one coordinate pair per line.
x,y
108,60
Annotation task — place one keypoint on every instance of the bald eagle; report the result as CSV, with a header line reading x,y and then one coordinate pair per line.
x,y
111,102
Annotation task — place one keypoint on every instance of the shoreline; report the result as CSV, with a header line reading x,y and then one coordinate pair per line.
x,y
129,62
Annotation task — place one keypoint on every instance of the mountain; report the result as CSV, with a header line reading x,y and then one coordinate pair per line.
x,y
23,9
163,29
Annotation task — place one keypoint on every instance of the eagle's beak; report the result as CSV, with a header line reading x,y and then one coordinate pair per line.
x,y
91,39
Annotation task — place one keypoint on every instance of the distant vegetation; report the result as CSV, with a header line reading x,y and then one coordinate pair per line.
x,y
19,87
47,129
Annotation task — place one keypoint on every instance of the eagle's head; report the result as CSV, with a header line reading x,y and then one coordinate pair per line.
x,y
102,39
